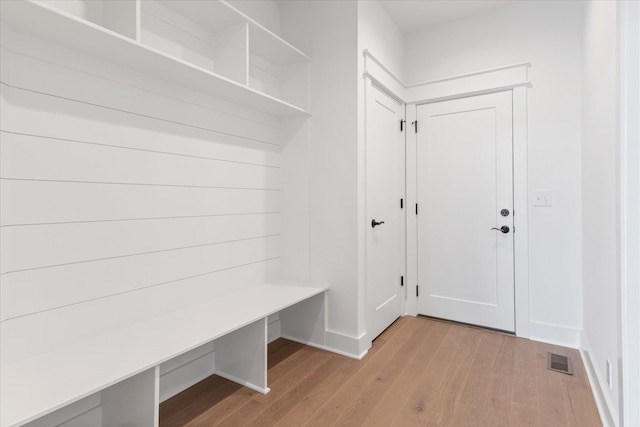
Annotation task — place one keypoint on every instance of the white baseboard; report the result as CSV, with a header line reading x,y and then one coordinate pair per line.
x,y
354,347
554,334
324,347
243,382
608,414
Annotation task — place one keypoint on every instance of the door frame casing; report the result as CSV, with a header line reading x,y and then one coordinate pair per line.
x,y
482,299
371,84
520,208
512,78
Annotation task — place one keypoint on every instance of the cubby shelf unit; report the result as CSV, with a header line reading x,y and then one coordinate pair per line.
x,y
208,46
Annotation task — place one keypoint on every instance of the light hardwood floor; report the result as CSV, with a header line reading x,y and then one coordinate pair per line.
x,y
419,372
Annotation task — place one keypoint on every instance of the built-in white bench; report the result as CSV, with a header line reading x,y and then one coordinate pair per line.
x,y
119,370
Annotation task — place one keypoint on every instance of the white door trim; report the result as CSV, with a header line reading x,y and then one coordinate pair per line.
x,y
629,211
372,84
490,80
465,270
514,77
520,189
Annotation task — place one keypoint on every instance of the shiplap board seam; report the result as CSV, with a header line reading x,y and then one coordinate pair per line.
x,y
187,363
23,248
139,219
222,111
141,253
47,202
137,149
83,413
58,118
68,181
246,138
141,288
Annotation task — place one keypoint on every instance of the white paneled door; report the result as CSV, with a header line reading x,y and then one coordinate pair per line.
x,y
385,179
465,210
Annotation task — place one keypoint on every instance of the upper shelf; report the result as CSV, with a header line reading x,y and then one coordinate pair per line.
x,y
218,15
100,38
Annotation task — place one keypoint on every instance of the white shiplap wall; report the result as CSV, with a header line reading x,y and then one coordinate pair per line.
x,y
123,196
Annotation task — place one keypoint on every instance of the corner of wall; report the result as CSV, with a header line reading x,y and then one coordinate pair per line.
x,y
608,413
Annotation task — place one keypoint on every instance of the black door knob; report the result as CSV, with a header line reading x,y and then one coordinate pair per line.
x,y
374,223
505,229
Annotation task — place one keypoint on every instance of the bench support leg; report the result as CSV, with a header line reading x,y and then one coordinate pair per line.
x,y
305,322
241,356
131,402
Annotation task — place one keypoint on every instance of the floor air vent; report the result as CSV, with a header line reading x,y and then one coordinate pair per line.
x,y
558,363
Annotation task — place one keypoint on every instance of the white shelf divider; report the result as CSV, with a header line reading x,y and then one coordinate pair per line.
x,y
267,44
45,21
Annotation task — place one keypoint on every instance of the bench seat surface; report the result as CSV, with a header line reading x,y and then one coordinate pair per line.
x,y
42,384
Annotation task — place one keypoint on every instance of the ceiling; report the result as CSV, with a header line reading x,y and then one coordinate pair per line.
x,y
412,15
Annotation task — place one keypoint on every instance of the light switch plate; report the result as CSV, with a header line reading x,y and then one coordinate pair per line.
x,y
542,198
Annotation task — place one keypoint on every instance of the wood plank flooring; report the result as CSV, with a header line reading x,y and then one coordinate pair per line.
x,y
419,372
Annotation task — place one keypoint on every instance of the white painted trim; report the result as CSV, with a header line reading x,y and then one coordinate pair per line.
x,y
325,348
393,75
629,211
367,54
473,93
521,208
347,345
554,334
377,83
472,74
513,77
479,82
411,306
606,409
371,82
521,212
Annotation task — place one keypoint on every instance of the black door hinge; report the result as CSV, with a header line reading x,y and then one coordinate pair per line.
x,y
416,209
401,203
415,125
417,291
402,123
401,280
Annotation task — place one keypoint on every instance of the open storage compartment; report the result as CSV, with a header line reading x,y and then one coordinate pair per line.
x,y
277,68
132,402
204,33
117,16
208,46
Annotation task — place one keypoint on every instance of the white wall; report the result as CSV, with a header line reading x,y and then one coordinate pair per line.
x,y
380,35
600,195
327,31
549,35
124,194
630,206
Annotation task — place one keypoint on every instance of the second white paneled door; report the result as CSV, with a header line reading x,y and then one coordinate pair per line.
x,y
385,181
465,217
